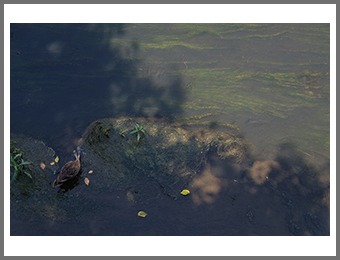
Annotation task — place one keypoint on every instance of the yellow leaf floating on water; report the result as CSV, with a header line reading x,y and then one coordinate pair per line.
x,y
42,165
52,163
57,159
87,181
185,192
90,171
142,214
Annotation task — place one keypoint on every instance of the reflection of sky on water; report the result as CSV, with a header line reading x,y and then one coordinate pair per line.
x,y
66,76
66,114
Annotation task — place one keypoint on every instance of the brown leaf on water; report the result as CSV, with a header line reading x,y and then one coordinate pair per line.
x,y
42,165
87,181
90,171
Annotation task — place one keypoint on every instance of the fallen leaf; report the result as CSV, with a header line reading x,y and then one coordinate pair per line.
x,y
52,163
90,171
56,159
185,192
87,181
42,165
142,214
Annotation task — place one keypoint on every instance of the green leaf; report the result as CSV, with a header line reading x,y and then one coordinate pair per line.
x,y
29,175
122,133
24,163
17,155
134,131
14,177
138,137
142,130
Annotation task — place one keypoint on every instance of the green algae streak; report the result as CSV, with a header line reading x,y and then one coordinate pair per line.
x,y
268,70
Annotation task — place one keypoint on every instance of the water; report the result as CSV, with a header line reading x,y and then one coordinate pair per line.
x,y
272,80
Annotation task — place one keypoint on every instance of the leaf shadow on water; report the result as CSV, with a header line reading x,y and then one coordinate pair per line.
x,y
65,76
285,196
62,80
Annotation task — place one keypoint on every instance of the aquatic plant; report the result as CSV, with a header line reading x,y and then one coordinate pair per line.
x,y
122,133
139,131
17,162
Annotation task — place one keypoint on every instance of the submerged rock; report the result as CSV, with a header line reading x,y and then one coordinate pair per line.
x,y
164,151
38,154
145,157
31,199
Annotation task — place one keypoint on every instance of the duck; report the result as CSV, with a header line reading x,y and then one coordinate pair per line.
x,y
68,172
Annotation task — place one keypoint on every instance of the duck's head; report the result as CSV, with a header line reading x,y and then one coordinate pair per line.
x,y
77,155
77,152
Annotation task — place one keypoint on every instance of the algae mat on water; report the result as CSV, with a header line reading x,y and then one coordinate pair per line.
x,y
270,71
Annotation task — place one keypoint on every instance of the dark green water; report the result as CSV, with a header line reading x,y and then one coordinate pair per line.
x,y
271,80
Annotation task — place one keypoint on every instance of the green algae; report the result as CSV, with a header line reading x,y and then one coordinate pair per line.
x,y
236,69
168,153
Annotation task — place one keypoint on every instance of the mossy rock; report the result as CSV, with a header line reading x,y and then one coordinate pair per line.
x,y
35,152
167,152
34,198
163,162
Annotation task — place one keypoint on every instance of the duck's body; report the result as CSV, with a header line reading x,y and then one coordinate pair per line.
x,y
69,171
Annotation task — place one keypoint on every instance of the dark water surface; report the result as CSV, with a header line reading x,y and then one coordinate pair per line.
x,y
270,80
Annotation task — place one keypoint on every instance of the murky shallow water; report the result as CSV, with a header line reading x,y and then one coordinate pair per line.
x,y
223,201
264,80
